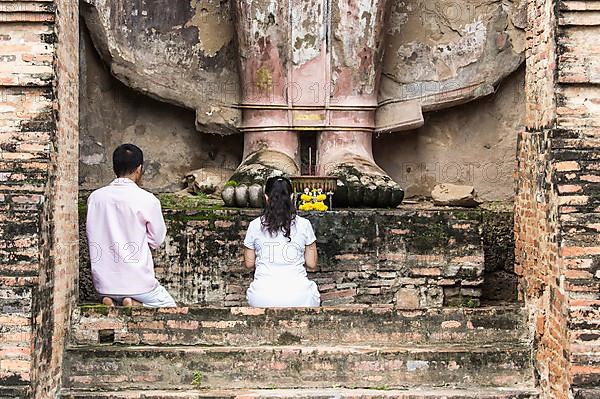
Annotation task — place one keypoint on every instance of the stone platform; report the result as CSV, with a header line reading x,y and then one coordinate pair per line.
x,y
413,257
350,351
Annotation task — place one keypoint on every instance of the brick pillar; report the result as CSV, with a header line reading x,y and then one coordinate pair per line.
x,y
26,128
536,207
38,191
576,153
557,209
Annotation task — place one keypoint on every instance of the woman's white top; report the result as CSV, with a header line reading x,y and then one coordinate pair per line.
x,y
280,276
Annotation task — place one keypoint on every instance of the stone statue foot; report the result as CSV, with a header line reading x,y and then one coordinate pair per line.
x,y
361,183
245,186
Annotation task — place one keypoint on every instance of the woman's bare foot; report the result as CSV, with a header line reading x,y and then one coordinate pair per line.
x,y
128,302
107,301
349,157
266,154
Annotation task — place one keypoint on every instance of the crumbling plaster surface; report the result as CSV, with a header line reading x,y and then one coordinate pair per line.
x,y
112,114
473,144
182,54
447,52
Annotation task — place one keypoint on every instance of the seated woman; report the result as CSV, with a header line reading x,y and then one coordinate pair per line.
x,y
280,243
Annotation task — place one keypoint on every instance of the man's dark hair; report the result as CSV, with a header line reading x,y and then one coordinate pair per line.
x,y
126,158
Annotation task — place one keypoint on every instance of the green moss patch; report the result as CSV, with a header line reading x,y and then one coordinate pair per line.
x,y
96,308
173,201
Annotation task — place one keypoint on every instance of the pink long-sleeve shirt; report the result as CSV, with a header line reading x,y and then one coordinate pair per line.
x,y
123,223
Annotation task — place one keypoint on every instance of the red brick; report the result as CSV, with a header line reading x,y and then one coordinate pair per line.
x,y
569,188
14,321
183,325
223,224
567,166
429,271
338,294
579,251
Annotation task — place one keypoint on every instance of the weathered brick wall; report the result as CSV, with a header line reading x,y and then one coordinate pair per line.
x,y
413,258
557,204
556,212
536,219
26,127
576,148
540,63
537,261
38,160
56,291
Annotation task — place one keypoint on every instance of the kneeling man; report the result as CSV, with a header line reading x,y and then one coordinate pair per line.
x,y
123,223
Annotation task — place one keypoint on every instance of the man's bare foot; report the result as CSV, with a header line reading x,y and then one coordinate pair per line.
x,y
107,301
128,302
266,154
349,157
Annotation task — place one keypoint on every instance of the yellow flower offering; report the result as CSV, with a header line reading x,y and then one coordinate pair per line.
x,y
309,206
320,206
313,200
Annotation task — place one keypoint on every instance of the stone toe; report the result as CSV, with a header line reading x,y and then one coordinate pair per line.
x,y
241,196
397,196
255,196
356,189
251,175
228,196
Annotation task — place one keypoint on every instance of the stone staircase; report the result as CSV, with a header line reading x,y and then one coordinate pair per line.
x,y
352,351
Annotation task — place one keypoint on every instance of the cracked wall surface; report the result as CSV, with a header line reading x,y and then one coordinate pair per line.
x,y
183,55
112,114
472,144
445,53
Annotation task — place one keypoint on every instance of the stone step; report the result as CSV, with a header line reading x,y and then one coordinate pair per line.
x,y
587,393
472,393
14,391
308,326
153,367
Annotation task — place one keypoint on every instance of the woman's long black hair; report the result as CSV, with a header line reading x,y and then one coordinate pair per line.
x,y
279,210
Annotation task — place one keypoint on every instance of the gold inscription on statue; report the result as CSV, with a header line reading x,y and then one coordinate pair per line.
x,y
309,117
